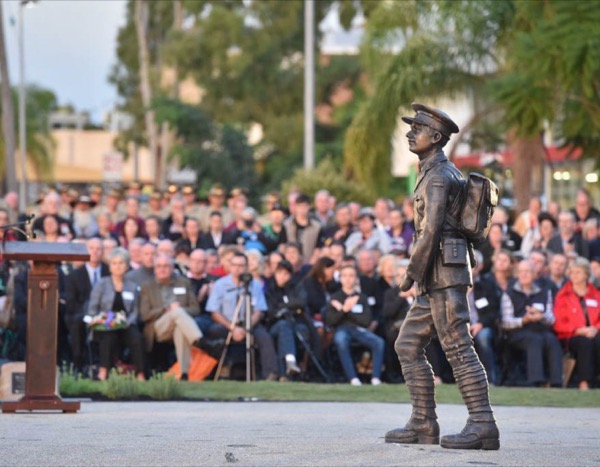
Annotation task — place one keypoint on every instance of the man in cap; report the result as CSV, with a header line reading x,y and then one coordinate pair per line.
x,y
269,200
440,267
82,218
237,193
216,201
192,208
67,196
303,229
112,206
96,194
153,206
134,189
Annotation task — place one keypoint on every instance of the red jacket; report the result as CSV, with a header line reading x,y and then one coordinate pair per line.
x,y
569,313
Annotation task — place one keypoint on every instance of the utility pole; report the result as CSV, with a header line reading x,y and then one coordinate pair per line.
x,y
22,139
8,119
309,84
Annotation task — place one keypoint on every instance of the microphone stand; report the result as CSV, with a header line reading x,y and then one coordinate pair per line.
x,y
16,227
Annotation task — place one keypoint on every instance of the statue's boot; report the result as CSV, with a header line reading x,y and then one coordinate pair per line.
x,y
475,435
416,431
422,427
481,431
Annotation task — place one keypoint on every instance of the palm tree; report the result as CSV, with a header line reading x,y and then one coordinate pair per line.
x,y
484,50
40,144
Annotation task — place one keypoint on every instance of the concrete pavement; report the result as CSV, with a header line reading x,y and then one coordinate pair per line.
x,y
284,433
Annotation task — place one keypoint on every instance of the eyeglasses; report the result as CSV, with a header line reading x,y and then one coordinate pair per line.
x,y
239,265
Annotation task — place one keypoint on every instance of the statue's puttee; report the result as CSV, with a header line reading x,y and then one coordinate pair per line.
x,y
440,265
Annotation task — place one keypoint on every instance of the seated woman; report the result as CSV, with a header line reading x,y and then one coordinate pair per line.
x,y
256,267
191,234
116,293
52,230
386,270
131,230
349,314
319,285
577,313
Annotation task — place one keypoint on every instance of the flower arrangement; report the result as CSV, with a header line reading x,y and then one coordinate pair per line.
x,y
107,321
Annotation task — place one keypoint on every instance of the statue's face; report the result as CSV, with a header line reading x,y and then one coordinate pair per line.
x,y
420,139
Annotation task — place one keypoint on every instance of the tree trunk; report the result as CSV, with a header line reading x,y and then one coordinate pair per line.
x,y
8,116
167,134
527,168
141,22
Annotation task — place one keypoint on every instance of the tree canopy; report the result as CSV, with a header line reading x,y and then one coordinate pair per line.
x,y
524,64
247,57
218,153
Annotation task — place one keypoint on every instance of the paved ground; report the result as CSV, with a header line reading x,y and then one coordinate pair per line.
x,y
269,433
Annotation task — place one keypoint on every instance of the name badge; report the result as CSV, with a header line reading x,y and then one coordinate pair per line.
x,y
358,308
481,303
371,301
539,306
591,302
179,290
127,295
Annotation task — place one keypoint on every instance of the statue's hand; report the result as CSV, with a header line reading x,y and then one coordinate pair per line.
x,y
406,283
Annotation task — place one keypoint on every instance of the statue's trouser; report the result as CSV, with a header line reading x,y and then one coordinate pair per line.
x,y
447,311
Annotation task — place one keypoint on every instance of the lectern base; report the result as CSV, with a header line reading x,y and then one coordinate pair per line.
x,y
41,403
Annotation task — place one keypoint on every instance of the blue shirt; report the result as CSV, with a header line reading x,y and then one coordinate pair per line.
x,y
225,294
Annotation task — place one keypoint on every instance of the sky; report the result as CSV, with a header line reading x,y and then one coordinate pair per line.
x,y
69,49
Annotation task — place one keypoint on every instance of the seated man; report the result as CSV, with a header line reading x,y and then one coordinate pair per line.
x,y
527,317
167,307
484,314
222,303
78,288
201,285
349,314
145,271
286,316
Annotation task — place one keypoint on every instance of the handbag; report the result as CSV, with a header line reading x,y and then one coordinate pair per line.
x,y
201,365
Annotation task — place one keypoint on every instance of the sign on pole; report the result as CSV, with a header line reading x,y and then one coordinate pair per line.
x,y
112,166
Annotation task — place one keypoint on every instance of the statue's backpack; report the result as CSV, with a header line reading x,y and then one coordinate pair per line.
x,y
480,199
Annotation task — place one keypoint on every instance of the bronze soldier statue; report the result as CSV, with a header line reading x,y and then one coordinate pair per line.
x,y
440,265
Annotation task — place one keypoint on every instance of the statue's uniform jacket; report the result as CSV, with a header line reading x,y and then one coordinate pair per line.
x,y
435,201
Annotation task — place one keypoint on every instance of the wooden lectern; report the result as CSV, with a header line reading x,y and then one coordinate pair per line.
x,y
42,317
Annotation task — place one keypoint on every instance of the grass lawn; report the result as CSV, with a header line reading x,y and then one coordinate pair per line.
x,y
167,389
445,394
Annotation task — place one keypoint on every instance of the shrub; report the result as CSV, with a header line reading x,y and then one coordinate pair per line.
x,y
163,387
326,175
121,386
71,385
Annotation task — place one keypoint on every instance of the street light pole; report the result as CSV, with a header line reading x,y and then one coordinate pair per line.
x,y
22,140
309,84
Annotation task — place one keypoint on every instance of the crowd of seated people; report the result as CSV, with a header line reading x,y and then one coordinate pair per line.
x,y
323,280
